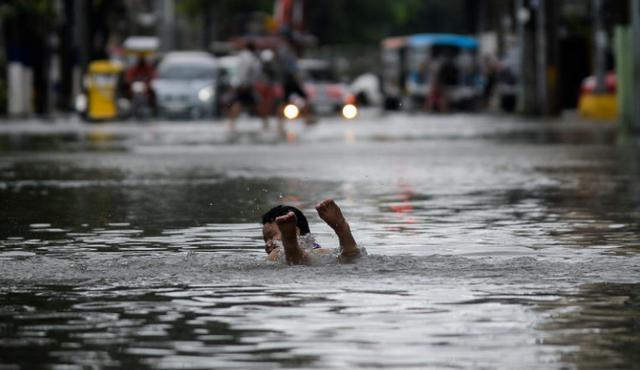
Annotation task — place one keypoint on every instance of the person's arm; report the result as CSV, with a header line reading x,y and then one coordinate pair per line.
x,y
288,230
330,213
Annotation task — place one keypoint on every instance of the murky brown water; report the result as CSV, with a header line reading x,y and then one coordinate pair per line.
x,y
498,248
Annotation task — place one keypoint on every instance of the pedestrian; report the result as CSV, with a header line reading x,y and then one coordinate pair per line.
x,y
291,79
244,92
490,74
436,96
287,236
266,83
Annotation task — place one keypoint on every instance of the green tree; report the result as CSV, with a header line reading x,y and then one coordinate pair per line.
x,y
347,21
358,21
225,16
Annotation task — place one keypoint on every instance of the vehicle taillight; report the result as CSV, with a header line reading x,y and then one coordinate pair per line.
x,y
334,91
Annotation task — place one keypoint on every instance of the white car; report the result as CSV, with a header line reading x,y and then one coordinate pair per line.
x,y
186,85
326,94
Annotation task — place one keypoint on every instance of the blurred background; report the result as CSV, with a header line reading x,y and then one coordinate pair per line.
x,y
533,57
485,152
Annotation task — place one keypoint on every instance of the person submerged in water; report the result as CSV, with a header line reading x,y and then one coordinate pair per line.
x,y
285,230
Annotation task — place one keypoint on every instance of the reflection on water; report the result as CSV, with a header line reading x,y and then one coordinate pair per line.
x,y
481,256
307,324
602,321
141,328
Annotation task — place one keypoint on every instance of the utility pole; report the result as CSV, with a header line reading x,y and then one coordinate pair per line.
x,y
635,20
480,23
167,25
80,45
519,17
541,57
17,70
206,27
54,67
600,43
4,66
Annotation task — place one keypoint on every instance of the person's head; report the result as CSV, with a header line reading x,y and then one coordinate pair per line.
x,y
251,46
140,59
270,230
288,35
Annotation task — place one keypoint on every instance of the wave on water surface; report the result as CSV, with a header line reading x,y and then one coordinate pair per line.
x,y
213,268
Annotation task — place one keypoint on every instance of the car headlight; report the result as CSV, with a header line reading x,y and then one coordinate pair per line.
x,y
291,111
138,87
205,94
81,103
349,111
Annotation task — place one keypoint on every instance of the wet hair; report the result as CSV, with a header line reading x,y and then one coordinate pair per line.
x,y
277,211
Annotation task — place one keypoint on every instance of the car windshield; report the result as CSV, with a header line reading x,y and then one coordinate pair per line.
x,y
319,74
444,50
186,72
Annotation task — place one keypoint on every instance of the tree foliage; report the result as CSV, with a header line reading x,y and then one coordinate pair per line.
x,y
348,21
368,21
15,8
358,21
223,8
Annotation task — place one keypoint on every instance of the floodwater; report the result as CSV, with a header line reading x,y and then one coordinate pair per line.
x,y
492,244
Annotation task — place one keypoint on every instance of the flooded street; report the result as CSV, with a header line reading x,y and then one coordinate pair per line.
x,y
492,242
